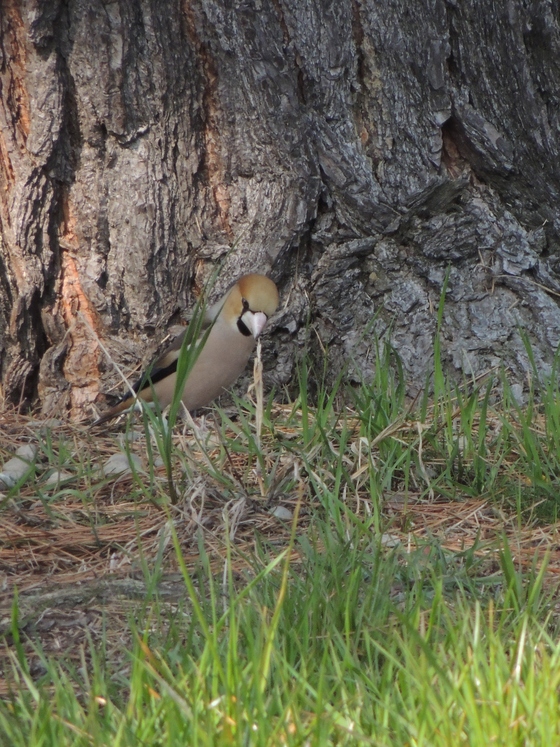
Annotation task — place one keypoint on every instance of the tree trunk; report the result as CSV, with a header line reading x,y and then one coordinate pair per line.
x,y
353,149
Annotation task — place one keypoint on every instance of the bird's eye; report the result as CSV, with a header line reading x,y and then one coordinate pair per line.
x,y
245,304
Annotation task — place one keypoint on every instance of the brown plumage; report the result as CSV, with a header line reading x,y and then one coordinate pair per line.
x,y
237,321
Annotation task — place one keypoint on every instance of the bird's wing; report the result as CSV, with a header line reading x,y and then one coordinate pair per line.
x,y
162,368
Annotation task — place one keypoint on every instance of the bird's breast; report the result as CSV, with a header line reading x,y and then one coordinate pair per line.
x,y
223,358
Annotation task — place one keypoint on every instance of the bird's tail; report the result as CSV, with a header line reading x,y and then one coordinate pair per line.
x,y
114,411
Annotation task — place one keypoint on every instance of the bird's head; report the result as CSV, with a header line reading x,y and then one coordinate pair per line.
x,y
250,303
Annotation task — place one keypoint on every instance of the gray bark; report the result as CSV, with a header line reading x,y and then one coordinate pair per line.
x,y
353,149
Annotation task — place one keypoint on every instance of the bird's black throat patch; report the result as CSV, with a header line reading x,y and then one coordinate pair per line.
x,y
243,328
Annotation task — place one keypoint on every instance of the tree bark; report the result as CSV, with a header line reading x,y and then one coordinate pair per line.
x,y
353,149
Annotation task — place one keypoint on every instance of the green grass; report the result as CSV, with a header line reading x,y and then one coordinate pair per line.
x,y
351,646
332,635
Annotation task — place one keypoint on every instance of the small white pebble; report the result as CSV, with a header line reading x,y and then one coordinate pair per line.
x,y
119,464
390,540
16,467
130,436
517,393
27,451
57,477
7,481
282,513
45,425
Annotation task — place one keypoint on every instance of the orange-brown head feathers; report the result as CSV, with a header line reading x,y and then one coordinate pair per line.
x,y
251,295
260,292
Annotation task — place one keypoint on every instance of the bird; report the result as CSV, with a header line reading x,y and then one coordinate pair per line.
x,y
237,320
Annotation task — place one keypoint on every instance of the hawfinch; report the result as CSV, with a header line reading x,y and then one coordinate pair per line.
x,y
237,320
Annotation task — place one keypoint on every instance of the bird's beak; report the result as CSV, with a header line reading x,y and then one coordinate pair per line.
x,y
256,322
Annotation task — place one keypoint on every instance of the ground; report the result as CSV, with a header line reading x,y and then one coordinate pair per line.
x,y
75,543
